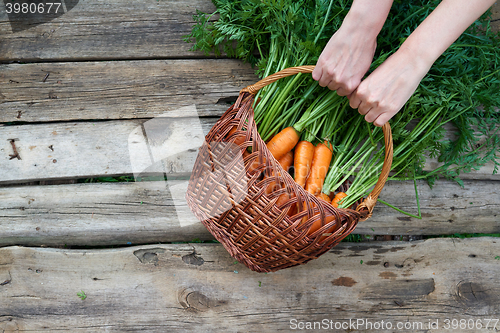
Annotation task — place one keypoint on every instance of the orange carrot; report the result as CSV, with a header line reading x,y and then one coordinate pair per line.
x,y
271,187
240,138
253,165
317,224
283,142
338,197
284,198
321,161
323,196
285,162
302,161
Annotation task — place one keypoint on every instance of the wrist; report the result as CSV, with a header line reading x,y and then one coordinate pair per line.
x,y
367,17
441,28
419,61
422,57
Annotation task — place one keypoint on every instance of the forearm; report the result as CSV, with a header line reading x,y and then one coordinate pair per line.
x,y
442,27
367,16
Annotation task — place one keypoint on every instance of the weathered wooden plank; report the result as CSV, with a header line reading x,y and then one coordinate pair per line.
x,y
115,29
495,16
94,214
99,214
41,92
88,149
196,287
105,148
447,208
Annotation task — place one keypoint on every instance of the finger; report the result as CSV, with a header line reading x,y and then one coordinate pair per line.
x,y
382,119
349,97
325,79
354,100
365,108
371,115
368,104
368,114
344,91
317,72
333,86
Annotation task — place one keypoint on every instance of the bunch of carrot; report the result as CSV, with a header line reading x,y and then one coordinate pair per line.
x,y
310,162
310,165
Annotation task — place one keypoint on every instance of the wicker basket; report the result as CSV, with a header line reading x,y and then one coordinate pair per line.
x,y
232,203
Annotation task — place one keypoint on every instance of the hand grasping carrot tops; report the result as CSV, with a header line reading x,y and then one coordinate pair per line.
x,y
348,55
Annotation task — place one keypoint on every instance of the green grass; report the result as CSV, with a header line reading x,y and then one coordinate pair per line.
x,y
355,238
132,179
82,295
107,179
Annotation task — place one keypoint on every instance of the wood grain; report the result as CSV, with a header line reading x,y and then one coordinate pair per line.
x,y
197,287
68,91
100,214
89,149
114,29
104,148
94,214
495,17
447,208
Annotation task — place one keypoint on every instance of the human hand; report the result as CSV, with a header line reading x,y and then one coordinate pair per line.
x,y
345,60
348,55
385,91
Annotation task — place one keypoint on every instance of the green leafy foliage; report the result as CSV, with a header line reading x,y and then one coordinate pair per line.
x,y
82,295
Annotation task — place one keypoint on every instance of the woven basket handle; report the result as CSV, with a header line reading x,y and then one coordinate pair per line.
x,y
371,199
254,88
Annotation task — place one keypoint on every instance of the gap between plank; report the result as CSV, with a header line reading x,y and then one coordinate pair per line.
x,y
41,61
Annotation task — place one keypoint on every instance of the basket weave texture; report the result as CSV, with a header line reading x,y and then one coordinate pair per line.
x,y
227,193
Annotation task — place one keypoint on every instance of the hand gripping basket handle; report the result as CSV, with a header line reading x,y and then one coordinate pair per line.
x,y
371,199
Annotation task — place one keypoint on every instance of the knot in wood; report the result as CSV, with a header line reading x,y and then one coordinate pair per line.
x,y
480,297
472,293
193,300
